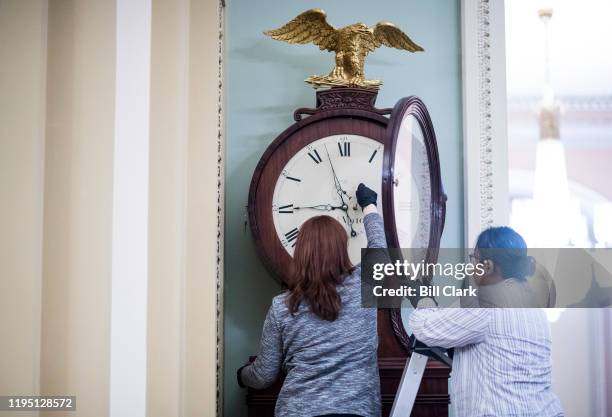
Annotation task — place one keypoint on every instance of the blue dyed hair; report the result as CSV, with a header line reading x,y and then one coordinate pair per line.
x,y
507,249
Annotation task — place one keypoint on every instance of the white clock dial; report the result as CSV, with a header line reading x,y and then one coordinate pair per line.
x,y
307,188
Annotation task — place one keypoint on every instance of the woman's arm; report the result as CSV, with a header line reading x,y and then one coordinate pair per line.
x,y
374,227
265,369
450,327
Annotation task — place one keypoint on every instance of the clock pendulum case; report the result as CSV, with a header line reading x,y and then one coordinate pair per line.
x,y
314,167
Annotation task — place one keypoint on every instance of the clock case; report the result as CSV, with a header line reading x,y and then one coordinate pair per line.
x,y
353,111
343,111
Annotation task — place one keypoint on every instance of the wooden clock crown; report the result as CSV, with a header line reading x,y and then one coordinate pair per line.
x,y
343,98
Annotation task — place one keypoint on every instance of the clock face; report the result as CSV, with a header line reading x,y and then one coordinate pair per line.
x,y
321,179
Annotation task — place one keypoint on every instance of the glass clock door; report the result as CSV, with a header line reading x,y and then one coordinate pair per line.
x,y
412,195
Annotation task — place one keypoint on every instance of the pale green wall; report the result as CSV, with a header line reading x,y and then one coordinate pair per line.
x,y
264,84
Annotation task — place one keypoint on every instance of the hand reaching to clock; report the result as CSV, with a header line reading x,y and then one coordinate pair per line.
x,y
365,196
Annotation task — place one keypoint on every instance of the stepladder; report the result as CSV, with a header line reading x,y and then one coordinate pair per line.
x,y
413,375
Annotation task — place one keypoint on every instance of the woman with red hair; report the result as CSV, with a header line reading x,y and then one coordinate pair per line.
x,y
317,332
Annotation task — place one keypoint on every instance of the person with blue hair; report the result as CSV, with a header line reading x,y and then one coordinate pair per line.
x,y
503,255
502,361
507,249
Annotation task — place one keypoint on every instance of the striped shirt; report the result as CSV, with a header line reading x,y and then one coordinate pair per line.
x,y
502,363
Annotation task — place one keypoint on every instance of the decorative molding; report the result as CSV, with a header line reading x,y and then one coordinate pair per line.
x,y
484,116
484,112
220,209
343,98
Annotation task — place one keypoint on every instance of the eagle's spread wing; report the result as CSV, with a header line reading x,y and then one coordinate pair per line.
x,y
388,34
309,26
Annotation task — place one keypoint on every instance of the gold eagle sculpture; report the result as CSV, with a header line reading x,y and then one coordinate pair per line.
x,y
351,44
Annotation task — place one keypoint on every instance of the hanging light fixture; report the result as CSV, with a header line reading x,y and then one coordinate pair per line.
x,y
550,191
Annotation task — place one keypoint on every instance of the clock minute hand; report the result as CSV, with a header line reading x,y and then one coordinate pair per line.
x,y
340,191
337,183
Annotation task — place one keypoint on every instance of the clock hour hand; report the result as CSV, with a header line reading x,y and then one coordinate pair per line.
x,y
349,220
350,223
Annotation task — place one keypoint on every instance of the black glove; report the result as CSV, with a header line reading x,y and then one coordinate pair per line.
x,y
365,196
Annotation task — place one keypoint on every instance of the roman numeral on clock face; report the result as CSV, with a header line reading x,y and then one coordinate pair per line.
x,y
286,209
315,156
344,148
291,236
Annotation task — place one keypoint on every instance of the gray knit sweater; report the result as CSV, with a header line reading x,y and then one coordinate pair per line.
x,y
331,367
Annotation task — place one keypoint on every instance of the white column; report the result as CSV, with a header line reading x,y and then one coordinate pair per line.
x,y
201,269
167,197
78,203
128,360
23,43
183,215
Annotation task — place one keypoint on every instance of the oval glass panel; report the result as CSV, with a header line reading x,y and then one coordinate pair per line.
x,y
412,186
414,202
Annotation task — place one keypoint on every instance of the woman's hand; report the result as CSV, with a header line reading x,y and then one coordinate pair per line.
x,y
366,197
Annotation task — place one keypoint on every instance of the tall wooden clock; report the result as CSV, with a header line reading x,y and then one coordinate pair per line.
x,y
315,166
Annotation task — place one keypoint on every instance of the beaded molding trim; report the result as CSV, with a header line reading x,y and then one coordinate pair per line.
x,y
220,204
486,160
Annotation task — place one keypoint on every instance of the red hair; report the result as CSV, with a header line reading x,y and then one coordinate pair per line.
x,y
320,263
